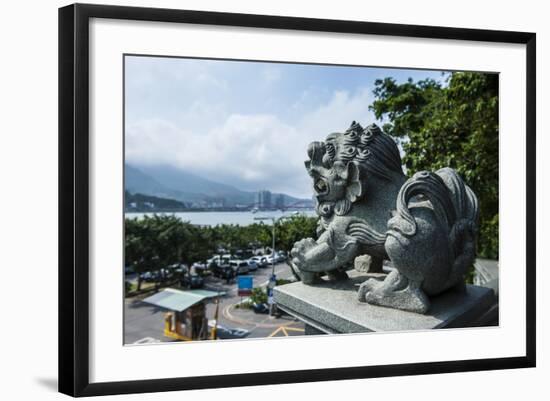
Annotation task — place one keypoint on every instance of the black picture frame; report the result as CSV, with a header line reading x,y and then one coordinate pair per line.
x,y
74,198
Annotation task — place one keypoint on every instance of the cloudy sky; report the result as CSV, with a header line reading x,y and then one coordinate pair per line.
x,y
247,124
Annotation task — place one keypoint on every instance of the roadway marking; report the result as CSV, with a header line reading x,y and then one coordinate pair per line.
x,y
284,330
227,314
147,340
276,331
288,328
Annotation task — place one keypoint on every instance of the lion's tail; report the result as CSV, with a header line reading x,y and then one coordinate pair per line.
x,y
456,208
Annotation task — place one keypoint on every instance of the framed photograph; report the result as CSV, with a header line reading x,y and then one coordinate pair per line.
x,y
253,199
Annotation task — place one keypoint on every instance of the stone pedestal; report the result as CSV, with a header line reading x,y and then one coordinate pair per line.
x,y
332,308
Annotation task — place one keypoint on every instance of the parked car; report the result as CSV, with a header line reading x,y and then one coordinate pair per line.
x,y
199,268
279,257
252,265
261,261
244,253
148,276
166,273
260,308
222,271
179,268
218,259
240,266
192,281
157,275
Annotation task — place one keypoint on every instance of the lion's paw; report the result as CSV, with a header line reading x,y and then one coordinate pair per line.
x,y
366,288
302,246
299,251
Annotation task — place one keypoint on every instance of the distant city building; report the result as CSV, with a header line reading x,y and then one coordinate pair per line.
x,y
263,199
280,201
217,203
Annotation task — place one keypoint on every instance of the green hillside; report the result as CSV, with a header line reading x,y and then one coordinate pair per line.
x,y
145,203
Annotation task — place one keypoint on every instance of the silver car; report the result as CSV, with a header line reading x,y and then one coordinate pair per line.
x,y
240,266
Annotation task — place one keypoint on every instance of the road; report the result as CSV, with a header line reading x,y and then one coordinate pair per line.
x,y
145,323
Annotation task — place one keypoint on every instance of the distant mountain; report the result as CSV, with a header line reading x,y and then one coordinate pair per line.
x,y
188,183
172,183
135,181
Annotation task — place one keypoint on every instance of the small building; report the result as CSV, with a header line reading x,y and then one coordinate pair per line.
x,y
185,318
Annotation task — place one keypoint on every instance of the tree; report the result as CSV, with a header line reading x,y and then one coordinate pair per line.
x,y
234,237
453,125
200,244
155,242
290,231
139,249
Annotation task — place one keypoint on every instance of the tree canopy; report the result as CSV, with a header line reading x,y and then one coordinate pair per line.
x,y
454,124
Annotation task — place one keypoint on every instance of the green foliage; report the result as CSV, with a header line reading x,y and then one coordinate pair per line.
x,y
233,237
127,287
258,295
454,125
157,241
489,232
147,203
290,231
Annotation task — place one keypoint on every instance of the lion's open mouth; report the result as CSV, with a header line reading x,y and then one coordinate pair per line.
x,y
321,186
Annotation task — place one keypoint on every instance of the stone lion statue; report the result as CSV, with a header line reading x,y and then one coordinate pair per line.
x,y
425,225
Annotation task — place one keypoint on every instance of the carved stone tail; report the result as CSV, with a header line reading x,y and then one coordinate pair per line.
x,y
456,208
424,185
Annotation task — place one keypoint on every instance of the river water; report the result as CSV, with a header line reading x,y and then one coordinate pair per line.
x,y
215,218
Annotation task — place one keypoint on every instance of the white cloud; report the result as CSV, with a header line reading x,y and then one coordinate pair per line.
x,y
337,115
248,151
271,74
210,80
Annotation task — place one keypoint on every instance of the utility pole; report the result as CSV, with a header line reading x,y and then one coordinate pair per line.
x,y
273,279
215,328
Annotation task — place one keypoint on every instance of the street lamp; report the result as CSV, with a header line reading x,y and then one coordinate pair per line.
x,y
273,278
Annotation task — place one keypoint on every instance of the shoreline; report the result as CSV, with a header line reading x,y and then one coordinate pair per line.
x,y
217,210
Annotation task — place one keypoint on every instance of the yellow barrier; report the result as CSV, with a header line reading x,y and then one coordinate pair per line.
x,y
168,332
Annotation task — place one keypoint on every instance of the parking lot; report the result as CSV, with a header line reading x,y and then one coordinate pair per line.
x,y
144,323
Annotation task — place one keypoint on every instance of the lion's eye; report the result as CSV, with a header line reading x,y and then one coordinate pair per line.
x,y
321,185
